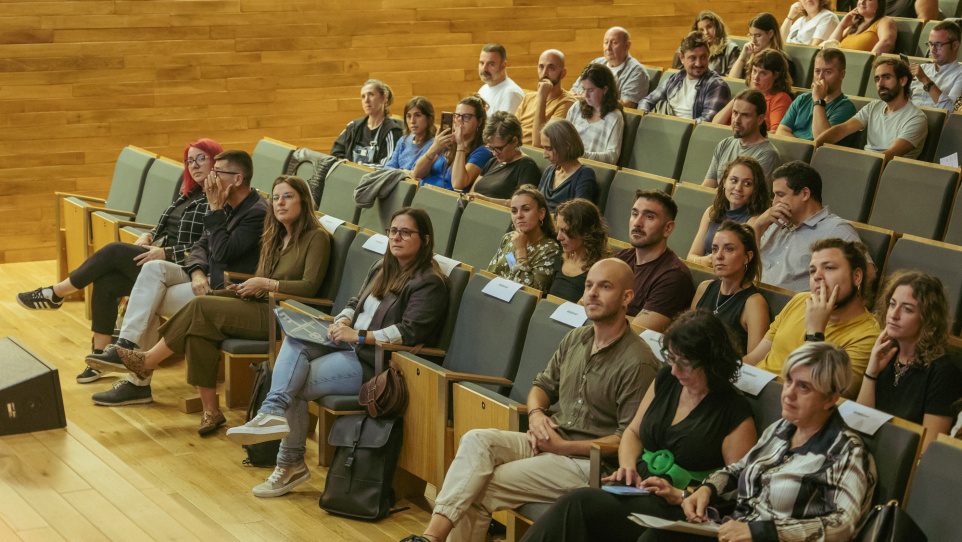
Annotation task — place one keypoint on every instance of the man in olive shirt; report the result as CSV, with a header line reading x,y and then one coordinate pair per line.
x,y
597,376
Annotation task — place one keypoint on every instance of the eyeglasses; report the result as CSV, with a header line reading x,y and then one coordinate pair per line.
x,y
498,149
404,233
672,359
464,117
936,45
200,160
287,197
219,172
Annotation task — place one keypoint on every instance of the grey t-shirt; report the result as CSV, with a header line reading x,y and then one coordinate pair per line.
x,y
730,148
882,130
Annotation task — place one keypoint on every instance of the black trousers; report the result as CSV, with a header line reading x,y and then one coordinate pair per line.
x,y
113,271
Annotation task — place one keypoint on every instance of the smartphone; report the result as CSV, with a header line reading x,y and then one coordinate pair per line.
x,y
625,490
447,121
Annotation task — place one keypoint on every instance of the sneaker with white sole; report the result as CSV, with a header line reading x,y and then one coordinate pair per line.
x,y
261,428
90,375
283,480
39,299
123,393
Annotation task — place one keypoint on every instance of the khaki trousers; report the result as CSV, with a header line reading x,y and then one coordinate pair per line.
x,y
496,470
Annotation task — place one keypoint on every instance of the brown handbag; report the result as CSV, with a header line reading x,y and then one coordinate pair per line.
x,y
385,395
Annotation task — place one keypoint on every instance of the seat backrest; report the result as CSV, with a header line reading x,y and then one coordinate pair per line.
x,y
378,216
704,138
776,298
692,200
858,72
740,41
936,492
803,56
537,155
270,161
950,141
766,406
445,212
358,263
457,282
953,230
921,49
792,148
160,189
660,145
338,196
654,77
341,241
877,240
735,85
907,40
895,449
479,233
935,118
632,120
540,343
130,173
604,173
849,179
934,258
621,197
914,197
699,273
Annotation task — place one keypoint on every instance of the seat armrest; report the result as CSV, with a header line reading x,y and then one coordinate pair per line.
x,y
132,224
296,305
492,395
229,276
127,214
88,199
599,451
468,377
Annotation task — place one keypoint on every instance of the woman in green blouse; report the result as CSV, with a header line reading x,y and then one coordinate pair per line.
x,y
530,253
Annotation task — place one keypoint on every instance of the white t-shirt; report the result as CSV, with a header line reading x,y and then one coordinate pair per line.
x,y
820,27
883,129
505,96
683,101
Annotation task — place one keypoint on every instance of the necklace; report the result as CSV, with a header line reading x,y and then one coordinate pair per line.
x,y
718,297
900,370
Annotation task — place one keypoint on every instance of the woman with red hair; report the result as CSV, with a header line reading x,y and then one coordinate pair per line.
x,y
114,268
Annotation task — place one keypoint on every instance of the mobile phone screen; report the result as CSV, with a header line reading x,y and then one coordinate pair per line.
x,y
625,490
447,121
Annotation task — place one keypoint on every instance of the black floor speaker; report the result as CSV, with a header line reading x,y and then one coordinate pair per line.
x,y
30,398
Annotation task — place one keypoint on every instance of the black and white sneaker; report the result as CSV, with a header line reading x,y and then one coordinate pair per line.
x,y
40,299
124,393
90,375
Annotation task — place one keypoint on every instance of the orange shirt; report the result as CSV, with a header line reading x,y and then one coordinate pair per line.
x,y
776,105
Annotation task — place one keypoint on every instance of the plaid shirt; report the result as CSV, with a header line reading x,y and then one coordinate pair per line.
x,y
711,94
191,225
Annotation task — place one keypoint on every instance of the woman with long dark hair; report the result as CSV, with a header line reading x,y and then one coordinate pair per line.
x,y
456,157
583,236
722,51
764,33
597,115
529,253
419,130
767,73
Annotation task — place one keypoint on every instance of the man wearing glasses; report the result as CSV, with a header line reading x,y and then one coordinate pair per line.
x,y
232,231
550,101
939,83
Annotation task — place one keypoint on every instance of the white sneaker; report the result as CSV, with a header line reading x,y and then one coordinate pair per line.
x,y
283,480
261,428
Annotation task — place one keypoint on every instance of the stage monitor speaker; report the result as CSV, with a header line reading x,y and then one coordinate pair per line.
x,y
30,398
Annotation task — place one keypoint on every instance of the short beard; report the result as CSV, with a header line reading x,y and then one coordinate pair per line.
x,y
852,295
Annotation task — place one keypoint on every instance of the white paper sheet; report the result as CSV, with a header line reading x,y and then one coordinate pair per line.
x,y
706,529
570,314
377,243
330,223
862,418
446,264
752,380
502,289
653,338
951,160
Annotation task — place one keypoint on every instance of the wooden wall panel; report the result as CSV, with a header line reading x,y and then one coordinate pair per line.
x,y
81,79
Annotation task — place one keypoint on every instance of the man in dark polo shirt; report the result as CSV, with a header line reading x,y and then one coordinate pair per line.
x,y
663,286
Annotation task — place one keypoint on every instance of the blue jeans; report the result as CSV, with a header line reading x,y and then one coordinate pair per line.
x,y
304,372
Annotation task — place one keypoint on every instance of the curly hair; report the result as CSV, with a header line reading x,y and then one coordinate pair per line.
x,y
530,190
757,203
702,339
601,77
585,222
933,310
775,62
480,112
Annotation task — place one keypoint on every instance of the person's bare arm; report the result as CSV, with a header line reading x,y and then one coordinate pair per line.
x,y
786,131
759,353
755,320
927,10
651,320
540,112
695,252
628,104
887,32
739,441
699,292
898,148
725,115
934,425
838,132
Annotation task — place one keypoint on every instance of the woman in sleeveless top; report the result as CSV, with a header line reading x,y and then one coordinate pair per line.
x,y
866,28
733,295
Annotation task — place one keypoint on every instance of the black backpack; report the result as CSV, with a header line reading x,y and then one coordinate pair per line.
x,y
359,482
263,454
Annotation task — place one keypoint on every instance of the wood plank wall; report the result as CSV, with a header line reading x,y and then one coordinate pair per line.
x,y
81,79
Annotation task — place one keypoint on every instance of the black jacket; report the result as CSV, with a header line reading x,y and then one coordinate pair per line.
x,y
231,240
387,138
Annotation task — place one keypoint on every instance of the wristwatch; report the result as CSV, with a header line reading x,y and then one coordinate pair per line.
x,y
821,102
361,335
685,494
814,337
926,87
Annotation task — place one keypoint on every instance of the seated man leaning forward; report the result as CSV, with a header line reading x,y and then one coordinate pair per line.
x,y
598,377
812,113
748,138
894,125
631,75
550,101
832,311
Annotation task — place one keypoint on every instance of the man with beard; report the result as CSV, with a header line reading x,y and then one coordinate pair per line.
x,y
796,219
748,138
825,106
499,91
549,101
696,92
597,377
894,125
662,284
832,310
939,83
631,75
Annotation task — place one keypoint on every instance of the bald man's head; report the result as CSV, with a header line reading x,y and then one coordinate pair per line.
x,y
617,44
608,290
551,66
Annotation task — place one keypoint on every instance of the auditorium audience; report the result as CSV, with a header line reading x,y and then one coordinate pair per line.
x,y
741,197
597,115
509,168
295,251
370,140
583,236
566,177
764,33
696,92
498,91
529,253
893,125
550,101
663,286
809,22
630,75
939,83
692,414
927,10
910,373
596,378
722,51
832,310
768,74
748,138
419,130
866,28
403,300
457,155
812,113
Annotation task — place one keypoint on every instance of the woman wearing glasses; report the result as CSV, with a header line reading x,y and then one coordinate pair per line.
x,y
529,253
457,155
691,422
509,168
370,140
597,115
294,254
403,300
114,268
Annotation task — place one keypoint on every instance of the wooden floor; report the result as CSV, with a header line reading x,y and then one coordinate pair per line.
x,y
142,472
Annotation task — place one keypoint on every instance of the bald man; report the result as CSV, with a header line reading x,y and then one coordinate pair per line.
x,y
551,101
631,75
597,376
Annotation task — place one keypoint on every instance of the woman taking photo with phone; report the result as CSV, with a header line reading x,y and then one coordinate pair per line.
x,y
457,155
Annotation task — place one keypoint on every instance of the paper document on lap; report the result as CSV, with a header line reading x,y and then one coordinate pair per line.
x,y
706,529
302,327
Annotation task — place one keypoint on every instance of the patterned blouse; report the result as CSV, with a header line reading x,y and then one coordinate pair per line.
x,y
537,272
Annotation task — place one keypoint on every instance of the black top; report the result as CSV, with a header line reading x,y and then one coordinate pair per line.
x,y
931,390
581,184
568,288
170,229
230,241
501,180
729,308
696,441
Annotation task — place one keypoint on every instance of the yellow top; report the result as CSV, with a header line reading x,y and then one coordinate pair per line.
x,y
864,41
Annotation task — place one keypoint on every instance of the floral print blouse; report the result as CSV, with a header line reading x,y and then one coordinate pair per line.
x,y
536,272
